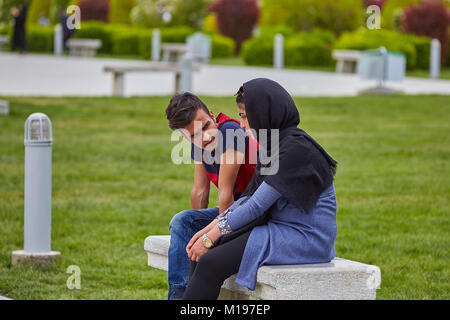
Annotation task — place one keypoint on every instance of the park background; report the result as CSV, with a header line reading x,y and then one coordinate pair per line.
x,y
114,183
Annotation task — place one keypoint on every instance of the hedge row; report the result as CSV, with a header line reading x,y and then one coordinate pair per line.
x,y
300,49
416,49
123,40
315,48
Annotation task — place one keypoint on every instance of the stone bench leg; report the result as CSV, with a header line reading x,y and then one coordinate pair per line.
x,y
118,84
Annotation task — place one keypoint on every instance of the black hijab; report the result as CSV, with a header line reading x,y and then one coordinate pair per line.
x,y
305,169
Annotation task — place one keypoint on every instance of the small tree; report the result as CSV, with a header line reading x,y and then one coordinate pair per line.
x,y
236,19
94,10
430,19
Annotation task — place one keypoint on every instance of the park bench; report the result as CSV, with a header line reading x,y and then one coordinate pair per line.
x,y
83,47
184,67
173,52
337,280
347,60
3,42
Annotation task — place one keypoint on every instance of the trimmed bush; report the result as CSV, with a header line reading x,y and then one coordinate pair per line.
x,y
221,46
258,50
309,49
301,49
40,38
97,30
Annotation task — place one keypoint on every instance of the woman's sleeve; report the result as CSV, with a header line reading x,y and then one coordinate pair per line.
x,y
263,198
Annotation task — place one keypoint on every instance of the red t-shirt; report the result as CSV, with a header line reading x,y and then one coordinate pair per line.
x,y
236,138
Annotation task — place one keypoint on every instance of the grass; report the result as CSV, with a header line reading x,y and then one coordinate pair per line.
x,y
114,184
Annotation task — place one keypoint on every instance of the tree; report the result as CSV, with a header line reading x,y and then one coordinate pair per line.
x,y
305,15
236,18
94,10
430,19
120,11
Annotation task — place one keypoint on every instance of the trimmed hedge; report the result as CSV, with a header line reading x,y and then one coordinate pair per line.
x,y
300,49
309,49
122,39
416,49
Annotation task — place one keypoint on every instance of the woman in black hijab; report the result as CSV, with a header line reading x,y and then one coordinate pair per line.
x,y
287,214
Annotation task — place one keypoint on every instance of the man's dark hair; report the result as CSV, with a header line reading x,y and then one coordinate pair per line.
x,y
182,109
240,95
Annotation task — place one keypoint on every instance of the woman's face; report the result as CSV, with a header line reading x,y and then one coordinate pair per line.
x,y
244,121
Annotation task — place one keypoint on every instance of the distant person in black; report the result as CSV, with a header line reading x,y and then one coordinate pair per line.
x,y
67,32
20,16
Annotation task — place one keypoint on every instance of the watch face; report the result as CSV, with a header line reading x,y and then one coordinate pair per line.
x,y
207,242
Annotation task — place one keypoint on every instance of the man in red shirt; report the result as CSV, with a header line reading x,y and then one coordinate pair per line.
x,y
225,155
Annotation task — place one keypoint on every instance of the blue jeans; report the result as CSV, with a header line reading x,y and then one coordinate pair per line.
x,y
182,228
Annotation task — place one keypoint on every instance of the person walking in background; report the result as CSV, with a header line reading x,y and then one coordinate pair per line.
x,y
19,37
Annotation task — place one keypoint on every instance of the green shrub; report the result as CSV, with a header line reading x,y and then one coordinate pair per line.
x,y
127,41
175,34
221,46
423,47
365,39
97,30
40,38
334,15
258,50
309,49
301,49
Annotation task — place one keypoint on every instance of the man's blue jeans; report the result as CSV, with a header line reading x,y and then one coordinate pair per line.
x,y
183,226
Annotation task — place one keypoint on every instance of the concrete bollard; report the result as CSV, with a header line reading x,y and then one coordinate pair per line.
x,y
4,107
58,47
156,45
187,71
278,51
435,59
38,193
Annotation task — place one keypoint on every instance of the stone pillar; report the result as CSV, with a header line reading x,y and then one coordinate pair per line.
x,y
156,45
278,51
435,59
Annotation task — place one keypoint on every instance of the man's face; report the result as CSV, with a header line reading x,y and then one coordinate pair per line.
x,y
203,131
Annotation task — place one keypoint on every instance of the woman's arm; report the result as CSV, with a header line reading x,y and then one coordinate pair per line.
x,y
263,198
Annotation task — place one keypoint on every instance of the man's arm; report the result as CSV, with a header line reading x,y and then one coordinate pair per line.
x,y
230,163
200,189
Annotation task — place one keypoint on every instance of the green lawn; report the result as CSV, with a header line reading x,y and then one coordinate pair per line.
x,y
114,184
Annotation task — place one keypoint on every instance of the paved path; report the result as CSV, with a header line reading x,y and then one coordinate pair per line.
x,y
47,75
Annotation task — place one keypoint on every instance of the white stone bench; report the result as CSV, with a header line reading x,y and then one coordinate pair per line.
x,y
156,66
3,42
337,280
347,60
83,47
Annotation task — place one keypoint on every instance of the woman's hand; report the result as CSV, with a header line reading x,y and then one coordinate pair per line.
x,y
200,234
195,248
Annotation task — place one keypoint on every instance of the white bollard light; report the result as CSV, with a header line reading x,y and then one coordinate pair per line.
x,y
58,41
435,59
38,192
278,51
156,45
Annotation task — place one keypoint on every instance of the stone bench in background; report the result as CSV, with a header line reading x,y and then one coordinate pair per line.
x,y
337,280
83,47
347,60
